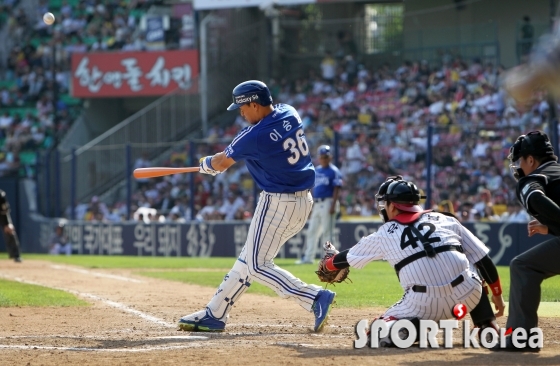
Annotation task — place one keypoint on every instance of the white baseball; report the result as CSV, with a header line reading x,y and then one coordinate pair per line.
x,y
48,18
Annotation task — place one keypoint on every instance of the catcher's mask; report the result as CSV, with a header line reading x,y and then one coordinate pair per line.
x,y
535,143
402,194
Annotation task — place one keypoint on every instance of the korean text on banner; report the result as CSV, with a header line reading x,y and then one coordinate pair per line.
x,y
129,74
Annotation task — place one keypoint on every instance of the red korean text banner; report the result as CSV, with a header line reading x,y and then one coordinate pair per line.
x,y
130,74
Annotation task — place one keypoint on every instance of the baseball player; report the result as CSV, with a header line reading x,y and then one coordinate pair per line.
x,y
537,172
433,255
328,181
277,157
10,235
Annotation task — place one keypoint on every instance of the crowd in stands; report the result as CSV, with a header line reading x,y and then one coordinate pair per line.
x,y
381,118
34,96
380,115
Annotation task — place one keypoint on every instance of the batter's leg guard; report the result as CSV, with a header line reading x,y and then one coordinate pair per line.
x,y
235,283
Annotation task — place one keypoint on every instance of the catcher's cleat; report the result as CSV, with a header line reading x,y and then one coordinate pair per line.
x,y
489,324
201,322
322,307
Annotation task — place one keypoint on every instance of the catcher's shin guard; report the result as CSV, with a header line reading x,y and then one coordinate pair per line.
x,y
482,315
235,283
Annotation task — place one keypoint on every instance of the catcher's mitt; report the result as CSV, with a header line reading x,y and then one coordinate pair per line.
x,y
332,277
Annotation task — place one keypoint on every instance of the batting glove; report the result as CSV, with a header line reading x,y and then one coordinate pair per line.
x,y
206,166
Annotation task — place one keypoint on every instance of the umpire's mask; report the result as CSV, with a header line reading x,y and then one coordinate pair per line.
x,y
535,143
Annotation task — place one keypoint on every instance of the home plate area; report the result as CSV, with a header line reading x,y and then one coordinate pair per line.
x,y
134,323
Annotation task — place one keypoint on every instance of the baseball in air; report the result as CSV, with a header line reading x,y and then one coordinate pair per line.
x,y
48,18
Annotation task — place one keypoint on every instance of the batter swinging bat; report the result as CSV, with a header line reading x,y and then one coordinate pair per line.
x,y
160,172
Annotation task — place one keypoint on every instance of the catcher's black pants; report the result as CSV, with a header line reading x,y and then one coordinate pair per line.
x,y
527,272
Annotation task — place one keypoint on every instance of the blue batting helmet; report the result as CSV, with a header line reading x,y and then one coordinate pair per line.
x,y
252,91
324,150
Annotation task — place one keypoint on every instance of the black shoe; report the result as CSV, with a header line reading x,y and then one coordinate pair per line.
x,y
511,348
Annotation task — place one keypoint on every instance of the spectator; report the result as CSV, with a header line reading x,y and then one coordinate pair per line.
x,y
230,206
58,243
209,212
328,67
515,213
176,216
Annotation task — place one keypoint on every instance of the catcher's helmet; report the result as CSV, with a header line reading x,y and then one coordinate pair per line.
x,y
402,194
252,91
535,143
380,196
324,150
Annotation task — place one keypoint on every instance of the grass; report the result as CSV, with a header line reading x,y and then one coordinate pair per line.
x,y
375,285
100,261
20,294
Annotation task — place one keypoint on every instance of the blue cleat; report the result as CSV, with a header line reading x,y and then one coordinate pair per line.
x,y
322,307
201,321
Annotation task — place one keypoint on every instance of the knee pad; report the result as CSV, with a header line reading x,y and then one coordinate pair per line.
x,y
235,283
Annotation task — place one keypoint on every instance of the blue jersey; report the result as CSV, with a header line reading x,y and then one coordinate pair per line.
x,y
275,152
325,181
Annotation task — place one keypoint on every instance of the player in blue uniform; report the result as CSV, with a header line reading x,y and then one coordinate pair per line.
x,y
328,181
277,157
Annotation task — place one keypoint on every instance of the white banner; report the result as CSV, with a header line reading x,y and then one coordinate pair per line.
x,y
222,4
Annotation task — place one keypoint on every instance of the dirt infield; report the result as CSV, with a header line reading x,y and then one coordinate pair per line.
x,y
132,322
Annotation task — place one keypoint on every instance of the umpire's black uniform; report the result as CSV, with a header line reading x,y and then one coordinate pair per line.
x,y
10,236
539,193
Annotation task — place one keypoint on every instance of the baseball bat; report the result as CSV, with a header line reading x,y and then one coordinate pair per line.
x,y
160,171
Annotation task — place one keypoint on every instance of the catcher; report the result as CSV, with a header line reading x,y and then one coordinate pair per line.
x,y
434,257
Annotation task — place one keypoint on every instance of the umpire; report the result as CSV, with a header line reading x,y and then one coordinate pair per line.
x,y
537,172
10,235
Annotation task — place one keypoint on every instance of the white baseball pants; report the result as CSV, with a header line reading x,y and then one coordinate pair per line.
x,y
321,224
278,217
438,301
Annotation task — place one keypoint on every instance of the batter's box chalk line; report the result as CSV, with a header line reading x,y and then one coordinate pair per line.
x,y
90,349
309,345
283,326
96,274
114,304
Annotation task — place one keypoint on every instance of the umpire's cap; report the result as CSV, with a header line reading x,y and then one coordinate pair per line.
x,y
404,195
535,143
252,91
324,150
